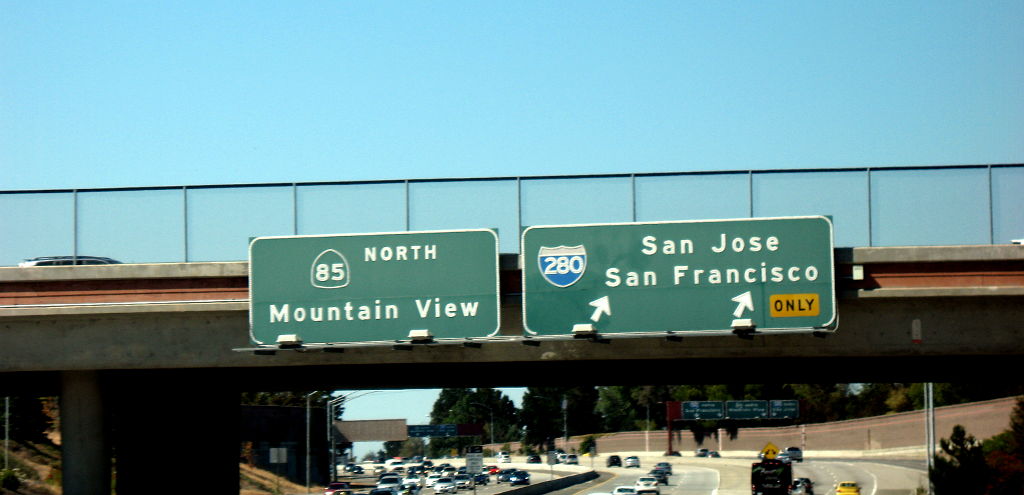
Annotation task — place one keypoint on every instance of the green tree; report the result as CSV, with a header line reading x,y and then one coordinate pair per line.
x,y
293,399
1004,455
393,449
487,407
960,469
615,409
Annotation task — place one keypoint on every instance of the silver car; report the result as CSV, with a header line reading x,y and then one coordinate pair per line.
x,y
445,485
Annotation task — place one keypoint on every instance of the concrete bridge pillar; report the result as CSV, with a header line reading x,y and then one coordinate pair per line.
x,y
85,451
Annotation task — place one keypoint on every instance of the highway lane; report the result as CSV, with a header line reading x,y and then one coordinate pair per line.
x,y
724,476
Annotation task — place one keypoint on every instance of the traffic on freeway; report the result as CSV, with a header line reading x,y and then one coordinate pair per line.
x,y
700,473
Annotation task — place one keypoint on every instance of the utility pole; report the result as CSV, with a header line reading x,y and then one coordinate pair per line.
x,y
7,428
308,396
929,428
565,421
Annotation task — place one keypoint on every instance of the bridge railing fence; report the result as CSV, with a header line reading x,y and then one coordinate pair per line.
x,y
886,206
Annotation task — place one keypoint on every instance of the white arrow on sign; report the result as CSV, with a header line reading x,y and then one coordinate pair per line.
x,y
602,305
745,300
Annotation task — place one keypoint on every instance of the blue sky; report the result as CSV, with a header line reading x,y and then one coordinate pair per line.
x,y
106,94
121,94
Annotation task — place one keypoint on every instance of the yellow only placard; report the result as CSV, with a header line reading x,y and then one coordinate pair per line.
x,y
787,305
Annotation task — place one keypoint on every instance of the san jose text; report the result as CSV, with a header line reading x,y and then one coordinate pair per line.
x,y
722,246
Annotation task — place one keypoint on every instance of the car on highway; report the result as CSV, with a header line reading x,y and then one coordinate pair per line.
x,y
714,453
492,469
445,485
429,482
664,466
503,475
504,459
353,468
624,490
795,453
413,480
68,260
533,459
632,461
847,488
660,474
481,479
613,461
390,482
384,491
463,481
571,459
701,452
784,457
802,486
519,478
647,484
336,488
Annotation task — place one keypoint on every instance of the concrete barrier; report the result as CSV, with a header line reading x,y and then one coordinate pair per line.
x,y
552,485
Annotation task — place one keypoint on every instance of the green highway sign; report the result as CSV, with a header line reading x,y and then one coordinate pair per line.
x,y
784,409
715,276
358,288
746,409
703,410
433,431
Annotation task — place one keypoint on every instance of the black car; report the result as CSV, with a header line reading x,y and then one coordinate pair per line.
x,y
504,474
481,479
519,478
533,459
661,475
613,460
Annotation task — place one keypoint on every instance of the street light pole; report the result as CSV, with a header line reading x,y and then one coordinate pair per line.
x,y
330,435
647,430
565,422
308,396
7,427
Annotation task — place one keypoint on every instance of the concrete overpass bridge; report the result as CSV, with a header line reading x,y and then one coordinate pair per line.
x,y
138,349
144,355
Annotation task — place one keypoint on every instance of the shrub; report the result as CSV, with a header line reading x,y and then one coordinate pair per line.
x,y
9,480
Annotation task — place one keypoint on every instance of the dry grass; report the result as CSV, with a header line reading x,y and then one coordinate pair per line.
x,y
253,481
256,481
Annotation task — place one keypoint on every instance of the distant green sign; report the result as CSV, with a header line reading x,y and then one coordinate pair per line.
x,y
746,409
703,410
374,287
772,274
784,409
432,431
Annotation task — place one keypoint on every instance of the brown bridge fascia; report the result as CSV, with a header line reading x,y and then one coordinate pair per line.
x,y
860,273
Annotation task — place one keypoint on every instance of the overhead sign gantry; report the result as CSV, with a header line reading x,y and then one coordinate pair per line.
x,y
718,276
